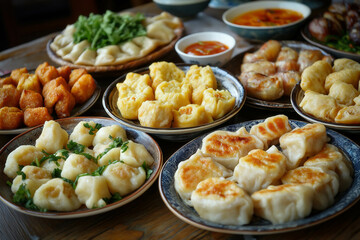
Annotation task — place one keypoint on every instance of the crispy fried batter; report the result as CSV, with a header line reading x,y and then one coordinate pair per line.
x,y
9,96
16,74
11,118
75,75
64,72
46,73
30,82
36,116
83,88
31,99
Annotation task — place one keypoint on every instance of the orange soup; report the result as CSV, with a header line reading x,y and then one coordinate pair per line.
x,y
268,17
203,48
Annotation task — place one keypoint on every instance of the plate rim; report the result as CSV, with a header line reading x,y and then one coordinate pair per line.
x,y
276,228
85,211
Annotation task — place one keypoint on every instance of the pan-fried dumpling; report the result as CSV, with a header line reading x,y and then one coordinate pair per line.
x,y
343,92
347,75
52,137
123,179
324,183
91,190
265,87
200,78
21,156
155,114
287,60
165,71
227,147
102,136
320,105
112,155
270,50
57,195
217,102
302,143
259,169
313,77
357,100
222,201
191,115
193,170
136,154
173,92
283,203
264,67
330,158
82,134
271,129
289,79
35,177
348,115
343,63
76,164
307,57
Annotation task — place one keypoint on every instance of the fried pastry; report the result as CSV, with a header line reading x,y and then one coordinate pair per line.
x,y
16,74
46,73
36,116
173,92
344,93
155,114
30,99
348,115
217,102
165,71
29,81
347,75
313,78
11,118
264,67
190,116
9,96
83,88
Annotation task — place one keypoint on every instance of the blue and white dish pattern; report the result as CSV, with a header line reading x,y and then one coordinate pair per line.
x,y
258,225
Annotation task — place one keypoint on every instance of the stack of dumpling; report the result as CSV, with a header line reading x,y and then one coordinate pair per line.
x,y
237,174
167,97
123,169
332,92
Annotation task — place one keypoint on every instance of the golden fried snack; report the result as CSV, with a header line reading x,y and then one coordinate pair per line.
x,y
66,102
6,80
64,72
16,74
155,114
36,116
83,88
190,116
11,118
51,96
75,75
9,96
30,99
30,82
46,73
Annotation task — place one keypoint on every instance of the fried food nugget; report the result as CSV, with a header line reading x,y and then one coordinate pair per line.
x,y
6,80
36,116
50,94
64,72
11,118
9,96
30,82
75,75
46,73
66,102
83,88
31,99
16,74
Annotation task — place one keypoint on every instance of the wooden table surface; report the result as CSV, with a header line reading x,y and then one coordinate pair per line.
x,y
147,217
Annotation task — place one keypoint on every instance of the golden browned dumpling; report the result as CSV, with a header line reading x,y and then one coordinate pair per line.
x,y
346,75
343,63
173,92
307,57
155,114
313,77
200,78
83,88
36,116
343,92
190,116
16,74
287,60
11,118
217,102
270,50
46,73
289,79
349,115
30,82
30,99
265,87
165,71
264,67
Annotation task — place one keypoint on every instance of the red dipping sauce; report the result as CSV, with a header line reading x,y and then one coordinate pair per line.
x,y
203,48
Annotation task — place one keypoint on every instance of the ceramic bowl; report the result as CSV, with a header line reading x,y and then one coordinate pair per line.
x,y
218,59
286,31
182,8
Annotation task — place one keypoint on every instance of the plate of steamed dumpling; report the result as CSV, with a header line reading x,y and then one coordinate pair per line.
x,y
75,167
263,176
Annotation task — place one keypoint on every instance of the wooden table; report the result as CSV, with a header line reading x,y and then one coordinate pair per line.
x,y
147,217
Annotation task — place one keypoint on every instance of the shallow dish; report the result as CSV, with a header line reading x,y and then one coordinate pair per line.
x,y
257,226
298,94
284,102
68,124
183,8
265,33
217,59
225,4
337,53
224,79
77,111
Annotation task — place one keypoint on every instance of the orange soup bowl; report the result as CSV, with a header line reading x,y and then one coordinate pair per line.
x,y
261,19
207,48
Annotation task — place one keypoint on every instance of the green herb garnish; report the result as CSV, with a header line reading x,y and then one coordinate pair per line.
x,y
147,169
23,197
56,173
75,147
114,198
92,129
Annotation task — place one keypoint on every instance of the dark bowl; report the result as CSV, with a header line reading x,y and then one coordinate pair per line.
x,y
183,8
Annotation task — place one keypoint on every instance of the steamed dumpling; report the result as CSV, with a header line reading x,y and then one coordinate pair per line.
x,y
136,154
102,136
82,134
76,164
52,137
112,155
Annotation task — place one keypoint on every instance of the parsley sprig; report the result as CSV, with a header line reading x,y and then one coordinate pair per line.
x,y
93,130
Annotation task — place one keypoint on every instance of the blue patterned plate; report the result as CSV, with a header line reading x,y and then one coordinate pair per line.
x,y
173,201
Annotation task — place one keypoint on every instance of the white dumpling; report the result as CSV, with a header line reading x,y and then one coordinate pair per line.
x,y
57,195
22,155
227,147
136,154
82,134
324,183
222,201
91,190
76,51
283,203
111,156
330,158
102,136
35,177
193,170
52,137
100,148
259,169
124,179
76,164
303,142
50,164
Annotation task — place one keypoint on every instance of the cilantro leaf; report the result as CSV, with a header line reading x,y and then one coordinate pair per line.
x,y
93,129
23,197
75,147
114,198
56,173
147,169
